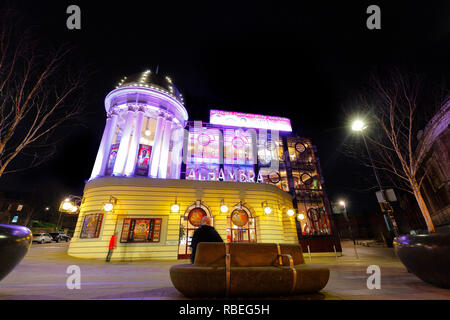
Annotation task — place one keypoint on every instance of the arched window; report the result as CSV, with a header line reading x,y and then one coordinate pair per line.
x,y
241,225
190,221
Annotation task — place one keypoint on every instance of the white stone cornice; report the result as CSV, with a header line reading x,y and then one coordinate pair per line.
x,y
433,129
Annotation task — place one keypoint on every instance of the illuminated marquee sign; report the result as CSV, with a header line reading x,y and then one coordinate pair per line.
x,y
249,120
227,175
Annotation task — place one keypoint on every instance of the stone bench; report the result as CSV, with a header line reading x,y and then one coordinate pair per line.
x,y
248,270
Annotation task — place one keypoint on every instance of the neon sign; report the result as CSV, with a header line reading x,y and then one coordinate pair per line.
x,y
249,120
213,175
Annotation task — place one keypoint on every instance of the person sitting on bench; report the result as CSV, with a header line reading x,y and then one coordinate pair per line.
x,y
204,233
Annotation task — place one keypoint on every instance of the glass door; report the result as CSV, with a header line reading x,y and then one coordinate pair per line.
x,y
188,224
244,233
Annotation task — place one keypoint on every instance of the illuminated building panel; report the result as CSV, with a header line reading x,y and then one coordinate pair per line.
x,y
249,120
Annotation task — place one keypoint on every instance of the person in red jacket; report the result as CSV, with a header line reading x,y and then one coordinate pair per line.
x,y
112,245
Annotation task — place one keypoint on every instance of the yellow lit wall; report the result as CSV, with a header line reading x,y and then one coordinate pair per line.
x,y
153,198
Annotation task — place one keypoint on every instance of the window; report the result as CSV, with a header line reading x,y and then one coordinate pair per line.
x,y
241,226
141,230
91,225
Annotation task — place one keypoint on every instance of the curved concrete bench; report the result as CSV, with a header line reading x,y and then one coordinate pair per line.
x,y
248,269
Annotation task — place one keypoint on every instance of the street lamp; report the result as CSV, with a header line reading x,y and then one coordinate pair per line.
x,y
70,205
359,125
342,203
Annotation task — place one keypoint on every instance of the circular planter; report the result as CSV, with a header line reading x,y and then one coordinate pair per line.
x,y
14,244
427,256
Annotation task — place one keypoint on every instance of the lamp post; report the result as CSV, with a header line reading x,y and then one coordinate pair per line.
x,y
342,203
70,204
359,126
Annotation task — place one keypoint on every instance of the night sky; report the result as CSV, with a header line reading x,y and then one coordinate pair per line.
x,y
305,61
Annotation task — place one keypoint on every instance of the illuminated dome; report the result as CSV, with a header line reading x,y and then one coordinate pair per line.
x,y
148,88
143,134
148,79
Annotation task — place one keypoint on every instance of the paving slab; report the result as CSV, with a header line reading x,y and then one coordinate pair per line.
x,y
42,276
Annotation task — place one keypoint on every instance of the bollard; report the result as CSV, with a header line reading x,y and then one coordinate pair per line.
x,y
335,253
309,253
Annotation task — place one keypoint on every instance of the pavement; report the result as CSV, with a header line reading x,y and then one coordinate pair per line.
x,y
42,275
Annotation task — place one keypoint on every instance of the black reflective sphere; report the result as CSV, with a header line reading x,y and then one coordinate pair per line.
x,y
14,244
427,256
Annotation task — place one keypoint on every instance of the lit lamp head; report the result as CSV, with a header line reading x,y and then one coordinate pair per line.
x,y
71,204
175,207
67,205
267,209
358,125
342,203
223,207
301,216
290,212
109,206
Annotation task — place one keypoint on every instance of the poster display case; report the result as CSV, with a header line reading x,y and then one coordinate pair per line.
x,y
112,159
141,230
143,161
91,226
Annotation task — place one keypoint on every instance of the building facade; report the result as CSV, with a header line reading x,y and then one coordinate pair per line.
x,y
157,174
435,168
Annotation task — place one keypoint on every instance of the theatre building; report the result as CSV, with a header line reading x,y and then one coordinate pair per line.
x,y
157,174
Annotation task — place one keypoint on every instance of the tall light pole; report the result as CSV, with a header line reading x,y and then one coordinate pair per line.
x,y
359,126
342,203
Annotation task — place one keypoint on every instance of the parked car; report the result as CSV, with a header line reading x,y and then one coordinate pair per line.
x,y
42,238
59,236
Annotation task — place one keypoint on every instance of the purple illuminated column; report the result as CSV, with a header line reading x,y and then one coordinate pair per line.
x,y
134,144
176,158
156,150
105,146
164,157
122,153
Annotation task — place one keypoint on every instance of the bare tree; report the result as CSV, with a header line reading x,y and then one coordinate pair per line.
x,y
396,110
37,95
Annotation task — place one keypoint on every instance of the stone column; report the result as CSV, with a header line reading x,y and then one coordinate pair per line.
x,y
134,144
105,147
124,145
164,158
254,150
156,149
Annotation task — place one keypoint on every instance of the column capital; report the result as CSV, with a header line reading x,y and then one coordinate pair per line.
x,y
112,112
133,108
